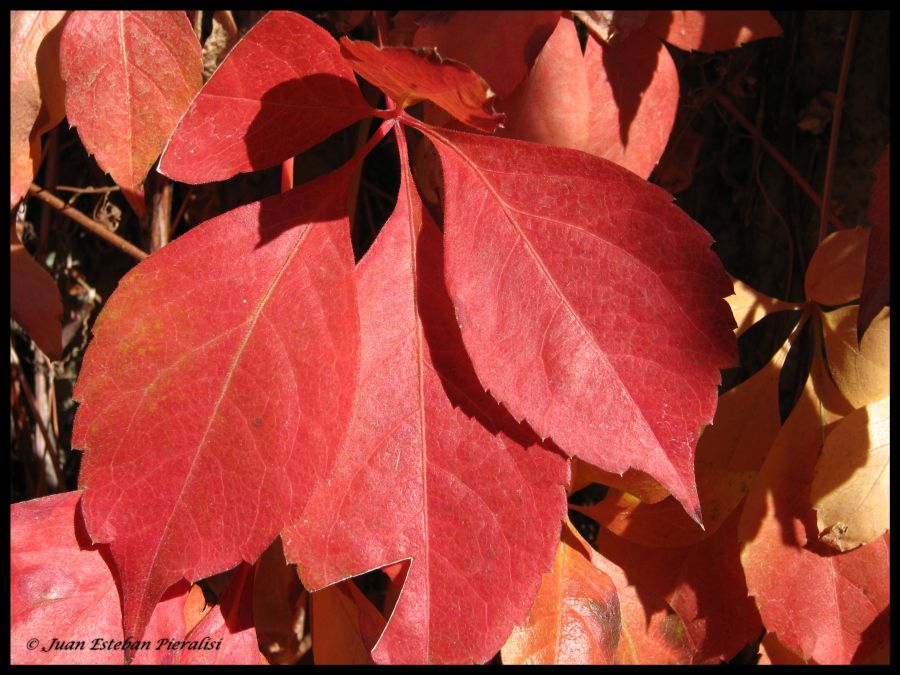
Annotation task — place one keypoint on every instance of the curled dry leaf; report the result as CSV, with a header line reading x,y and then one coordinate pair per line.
x,y
409,76
851,486
505,59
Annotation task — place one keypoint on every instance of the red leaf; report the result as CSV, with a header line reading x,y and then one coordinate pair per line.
x,y
129,78
876,289
281,90
589,304
409,76
220,360
34,299
503,60
711,30
615,102
823,605
61,587
703,583
35,91
634,94
477,514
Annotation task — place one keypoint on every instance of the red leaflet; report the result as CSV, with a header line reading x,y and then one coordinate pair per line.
x,y
409,76
589,304
876,289
222,359
616,102
503,60
634,94
283,88
35,91
477,514
129,78
711,30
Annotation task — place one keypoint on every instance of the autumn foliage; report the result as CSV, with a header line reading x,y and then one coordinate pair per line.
x,y
266,413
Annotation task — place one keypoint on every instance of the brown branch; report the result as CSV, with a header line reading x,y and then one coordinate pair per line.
x,y
778,157
88,223
836,121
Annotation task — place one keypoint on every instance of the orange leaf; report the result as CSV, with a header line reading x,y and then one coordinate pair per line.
x,y
337,614
575,618
712,30
35,91
34,299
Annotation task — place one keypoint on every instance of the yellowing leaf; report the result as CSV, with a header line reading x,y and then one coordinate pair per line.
x,y
862,372
835,273
851,485
749,305
575,618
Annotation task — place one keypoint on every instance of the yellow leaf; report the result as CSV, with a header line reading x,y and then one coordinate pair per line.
x,y
749,305
835,273
851,484
861,372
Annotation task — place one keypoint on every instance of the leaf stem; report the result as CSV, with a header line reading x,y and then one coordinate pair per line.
x,y
87,223
836,121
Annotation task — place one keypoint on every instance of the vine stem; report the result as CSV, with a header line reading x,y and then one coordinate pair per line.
x,y
726,103
87,223
836,121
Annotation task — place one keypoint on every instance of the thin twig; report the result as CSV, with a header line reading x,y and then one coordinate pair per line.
x,y
88,223
836,121
88,190
29,398
161,213
181,210
778,157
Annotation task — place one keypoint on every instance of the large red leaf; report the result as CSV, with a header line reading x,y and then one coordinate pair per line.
x,y
283,88
503,60
589,304
477,514
35,91
62,588
220,360
711,30
823,605
410,76
876,288
129,78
